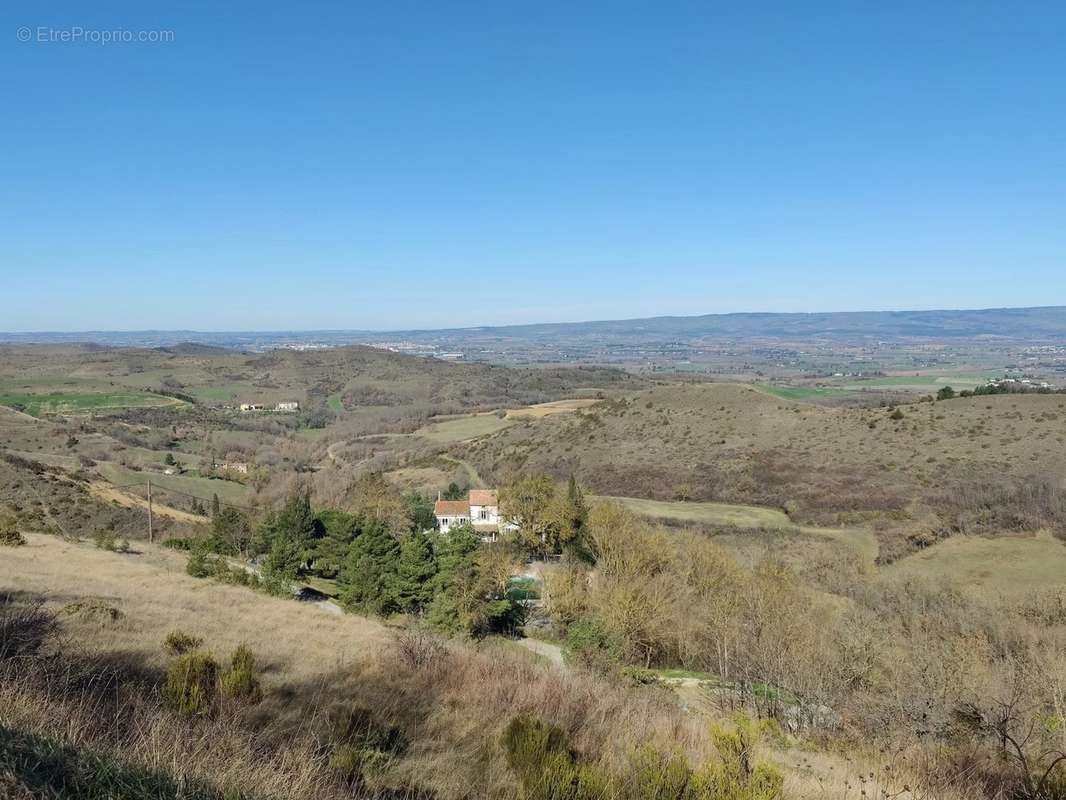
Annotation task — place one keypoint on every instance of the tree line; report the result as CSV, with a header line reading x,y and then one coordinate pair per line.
x,y
386,556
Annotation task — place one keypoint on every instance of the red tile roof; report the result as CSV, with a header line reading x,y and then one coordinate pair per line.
x,y
482,497
451,508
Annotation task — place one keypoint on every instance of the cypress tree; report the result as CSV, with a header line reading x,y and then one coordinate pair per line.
x,y
414,573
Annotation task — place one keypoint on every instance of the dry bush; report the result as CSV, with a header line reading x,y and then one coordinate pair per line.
x,y
455,709
987,504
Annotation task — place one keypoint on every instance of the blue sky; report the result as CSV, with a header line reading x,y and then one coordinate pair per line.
x,y
348,165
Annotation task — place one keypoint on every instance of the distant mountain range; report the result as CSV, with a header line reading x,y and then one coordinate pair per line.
x,y
1016,323
1045,324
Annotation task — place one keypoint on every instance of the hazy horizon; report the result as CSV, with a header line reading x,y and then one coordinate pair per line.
x,y
72,331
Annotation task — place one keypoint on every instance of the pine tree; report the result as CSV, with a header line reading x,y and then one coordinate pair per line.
x,y
215,505
285,559
467,597
296,523
368,577
414,573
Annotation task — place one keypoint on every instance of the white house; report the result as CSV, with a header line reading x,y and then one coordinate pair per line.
x,y
452,513
288,406
480,510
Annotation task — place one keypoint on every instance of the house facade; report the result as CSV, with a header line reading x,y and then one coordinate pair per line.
x,y
480,510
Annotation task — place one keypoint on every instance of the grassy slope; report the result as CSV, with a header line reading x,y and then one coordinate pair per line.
x,y
81,402
464,428
740,516
725,441
706,513
1010,565
203,488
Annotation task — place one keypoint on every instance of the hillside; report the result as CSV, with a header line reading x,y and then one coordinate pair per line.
x,y
738,444
348,378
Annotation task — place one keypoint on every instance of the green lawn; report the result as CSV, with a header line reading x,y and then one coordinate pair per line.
x,y
80,402
203,488
335,403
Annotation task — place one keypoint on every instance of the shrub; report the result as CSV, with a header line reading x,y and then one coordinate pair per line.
x,y
177,543
735,778
539,754
192,684
199,565
107,540
10,537
590,644
93,610
25,629
360,742
896,415
241,681
178,643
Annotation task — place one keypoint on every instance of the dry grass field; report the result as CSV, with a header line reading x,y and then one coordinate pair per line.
x,y
707,513
554,407
154,596
710,515
1008,565
123,605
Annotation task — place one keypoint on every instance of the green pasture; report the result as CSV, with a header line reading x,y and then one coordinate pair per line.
x,y
800,392
463,428
81,402
195,485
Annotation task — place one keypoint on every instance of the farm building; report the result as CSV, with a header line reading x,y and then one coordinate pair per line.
x,y
480,510
288,406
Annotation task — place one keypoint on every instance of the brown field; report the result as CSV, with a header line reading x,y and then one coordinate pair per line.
x,y
555,407
457,707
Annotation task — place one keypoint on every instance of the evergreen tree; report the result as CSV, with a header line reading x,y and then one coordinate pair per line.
x,y
369,576
284,560
215,505
454,492
420,510
414,573
468,598
296,523
339,529
230,534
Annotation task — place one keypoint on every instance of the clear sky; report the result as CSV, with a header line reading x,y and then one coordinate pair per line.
x,y
392,165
